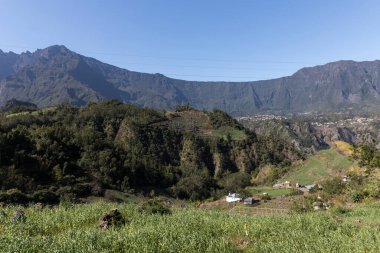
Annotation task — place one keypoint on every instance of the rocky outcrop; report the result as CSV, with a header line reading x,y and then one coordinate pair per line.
x,y
112,219
18,216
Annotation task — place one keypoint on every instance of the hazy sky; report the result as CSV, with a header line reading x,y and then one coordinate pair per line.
x,y
237,40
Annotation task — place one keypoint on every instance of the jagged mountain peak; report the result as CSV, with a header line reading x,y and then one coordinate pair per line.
x,y
55,50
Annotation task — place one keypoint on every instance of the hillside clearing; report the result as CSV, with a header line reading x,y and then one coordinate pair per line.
x,y
270,191
199,122
323,165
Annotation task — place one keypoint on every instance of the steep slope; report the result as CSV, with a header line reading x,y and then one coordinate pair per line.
x,y
54,75
15,105
7,63
312,132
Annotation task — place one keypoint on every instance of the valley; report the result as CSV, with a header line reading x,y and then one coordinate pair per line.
x,y
189,126
168,173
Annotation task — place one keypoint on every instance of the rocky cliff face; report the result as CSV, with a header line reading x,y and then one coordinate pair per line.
x,y
318,133
55,74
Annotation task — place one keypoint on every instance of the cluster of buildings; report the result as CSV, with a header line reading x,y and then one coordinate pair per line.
x,y
317,205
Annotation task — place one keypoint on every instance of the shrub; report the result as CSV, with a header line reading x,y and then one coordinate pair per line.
x,y
333,186
14,196
265,197
357,197
295,192
267,175
182,108
83,189
154,206
303,205
235,181
68,199
195,184
45,196
338,209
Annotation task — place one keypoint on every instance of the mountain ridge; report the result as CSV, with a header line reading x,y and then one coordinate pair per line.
x,y
58,75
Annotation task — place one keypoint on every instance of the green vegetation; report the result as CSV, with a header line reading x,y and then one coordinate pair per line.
x,y
113,151
270,191
74,229
367,155
323,165
154,206
217,124
364,215
68,153
34,113
344,148
15,106
229,133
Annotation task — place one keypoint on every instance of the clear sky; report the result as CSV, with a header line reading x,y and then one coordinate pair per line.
x,y
231,40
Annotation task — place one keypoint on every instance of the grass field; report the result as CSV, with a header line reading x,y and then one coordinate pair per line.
x,y
324,164
73,229
269,190
234,134
44,110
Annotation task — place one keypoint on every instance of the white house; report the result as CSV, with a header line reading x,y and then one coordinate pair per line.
x,y
233,197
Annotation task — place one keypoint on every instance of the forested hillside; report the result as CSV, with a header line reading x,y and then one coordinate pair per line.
x,y
69,152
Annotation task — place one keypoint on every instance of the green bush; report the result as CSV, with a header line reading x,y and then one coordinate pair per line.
x,y
154,206
14,196
357,197
182,108
295,192
338,209
68,199
265,197
195,184
303,205
235,182
45,196
333,186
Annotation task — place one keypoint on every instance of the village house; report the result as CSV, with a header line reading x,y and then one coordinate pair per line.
x,y
233,197
250,201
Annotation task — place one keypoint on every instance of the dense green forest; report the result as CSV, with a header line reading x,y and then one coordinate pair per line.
x,y
68,153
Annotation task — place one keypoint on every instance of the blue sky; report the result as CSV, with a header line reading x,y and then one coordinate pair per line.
x,y
230,40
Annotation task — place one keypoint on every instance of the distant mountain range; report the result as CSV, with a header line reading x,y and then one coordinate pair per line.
x,y
57,75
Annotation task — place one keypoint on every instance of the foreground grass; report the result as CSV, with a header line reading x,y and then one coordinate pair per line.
x,y
74,229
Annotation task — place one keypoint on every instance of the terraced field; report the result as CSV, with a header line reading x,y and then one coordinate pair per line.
x,y
199,122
